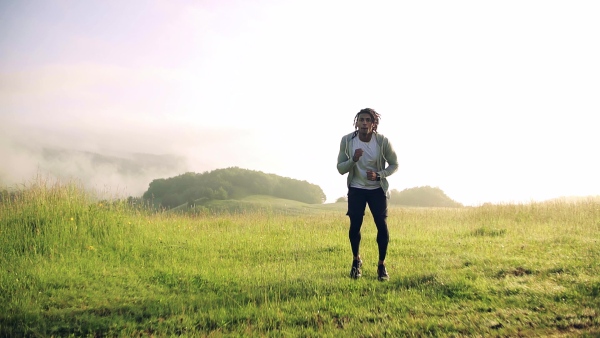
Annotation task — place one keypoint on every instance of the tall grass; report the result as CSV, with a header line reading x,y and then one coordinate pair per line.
x,y
72,264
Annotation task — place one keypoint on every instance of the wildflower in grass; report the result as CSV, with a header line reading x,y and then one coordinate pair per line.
x,y
91,248
72,218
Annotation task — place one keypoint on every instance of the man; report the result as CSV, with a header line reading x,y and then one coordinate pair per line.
x,y
363,155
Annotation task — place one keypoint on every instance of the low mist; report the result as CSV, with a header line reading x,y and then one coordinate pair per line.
x,y
101,158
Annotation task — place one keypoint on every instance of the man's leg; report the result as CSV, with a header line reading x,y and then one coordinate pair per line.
x,y
378,206
356,210
357,203
354,234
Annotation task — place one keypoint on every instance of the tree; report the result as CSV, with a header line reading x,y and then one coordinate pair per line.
x,y
425,196
342,199
172,200
227,183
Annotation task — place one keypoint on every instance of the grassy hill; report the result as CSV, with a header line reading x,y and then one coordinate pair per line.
x,y
575,199
257,203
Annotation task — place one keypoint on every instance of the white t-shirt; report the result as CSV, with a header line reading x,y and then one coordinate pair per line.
x,y
368,161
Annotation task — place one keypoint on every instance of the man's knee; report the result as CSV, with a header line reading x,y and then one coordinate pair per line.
x,y
383,234
380,220
355,214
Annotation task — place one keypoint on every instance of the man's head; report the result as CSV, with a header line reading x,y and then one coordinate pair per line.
x,y
366,121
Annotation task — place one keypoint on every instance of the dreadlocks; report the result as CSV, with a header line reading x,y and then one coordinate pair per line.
x,y
375,117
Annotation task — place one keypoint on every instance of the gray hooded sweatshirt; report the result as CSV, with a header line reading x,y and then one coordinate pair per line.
x,y
345,164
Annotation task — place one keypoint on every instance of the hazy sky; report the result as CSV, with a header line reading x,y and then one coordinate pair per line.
x,y
491,101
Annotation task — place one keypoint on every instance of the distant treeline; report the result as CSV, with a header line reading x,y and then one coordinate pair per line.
x,y
236,183
425,196
228,183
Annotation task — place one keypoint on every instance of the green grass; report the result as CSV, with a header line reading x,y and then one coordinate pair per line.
x,y
73,266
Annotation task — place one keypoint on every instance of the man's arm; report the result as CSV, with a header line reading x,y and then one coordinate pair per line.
x,y
344,162
391,158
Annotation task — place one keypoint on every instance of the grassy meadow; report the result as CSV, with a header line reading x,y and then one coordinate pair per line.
x,y
71,265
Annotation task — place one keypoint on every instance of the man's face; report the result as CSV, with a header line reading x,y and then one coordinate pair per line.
x,y
364,123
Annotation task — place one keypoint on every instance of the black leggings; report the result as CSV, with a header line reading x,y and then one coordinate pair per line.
x,y
357,202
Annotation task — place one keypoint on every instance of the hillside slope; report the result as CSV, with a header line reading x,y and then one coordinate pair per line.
x,y
258,203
